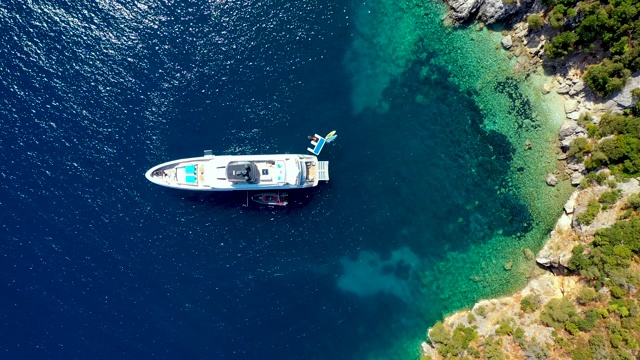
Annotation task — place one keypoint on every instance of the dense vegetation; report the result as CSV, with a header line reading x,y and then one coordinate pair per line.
x,y
612,26
601,322
614,143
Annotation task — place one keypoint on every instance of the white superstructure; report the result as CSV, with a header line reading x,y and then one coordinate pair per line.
x,y
240,172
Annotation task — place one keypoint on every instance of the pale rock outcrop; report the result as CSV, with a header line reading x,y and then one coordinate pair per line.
x,y
556,253
623,99
563,89
543,287
576,178
570,205
487,11
570,106
575,115
569,131
507,42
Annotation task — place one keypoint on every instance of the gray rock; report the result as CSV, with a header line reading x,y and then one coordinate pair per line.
x,y
507,42
522,31
570,205
623,99
578,87
564,89
576,167
566,143
487,11
576,178
570,106
573,129
551,180
546,88
543,261
574,115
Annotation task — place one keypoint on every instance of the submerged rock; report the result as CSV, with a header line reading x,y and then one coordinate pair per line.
x,y
546,88
551,180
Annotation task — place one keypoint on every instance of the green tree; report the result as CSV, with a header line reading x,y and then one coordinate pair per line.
x,y
535,22
556,16
578,147
561,45
606,77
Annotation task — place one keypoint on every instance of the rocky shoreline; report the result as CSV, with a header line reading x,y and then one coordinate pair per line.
x,y
565,79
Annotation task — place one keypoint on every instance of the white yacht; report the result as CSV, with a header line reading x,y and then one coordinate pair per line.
x,y
240,172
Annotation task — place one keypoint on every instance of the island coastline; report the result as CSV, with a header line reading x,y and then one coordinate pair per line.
x,y
550,279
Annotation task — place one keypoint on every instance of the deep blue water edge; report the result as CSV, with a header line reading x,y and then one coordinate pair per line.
x,y
99,263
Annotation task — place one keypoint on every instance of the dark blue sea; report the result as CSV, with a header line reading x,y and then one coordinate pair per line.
x,y
98,263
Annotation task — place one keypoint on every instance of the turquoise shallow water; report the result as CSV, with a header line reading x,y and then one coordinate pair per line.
x,y
431,189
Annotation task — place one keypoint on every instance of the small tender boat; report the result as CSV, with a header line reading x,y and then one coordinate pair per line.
x,y
240,172
276,199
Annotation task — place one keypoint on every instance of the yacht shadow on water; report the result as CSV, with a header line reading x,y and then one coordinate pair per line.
x,y
290,199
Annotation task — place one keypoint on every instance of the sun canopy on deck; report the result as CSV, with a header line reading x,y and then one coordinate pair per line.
x,y
243,171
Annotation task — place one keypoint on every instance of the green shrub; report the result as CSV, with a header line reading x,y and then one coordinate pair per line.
x,y
561,341
530,303
594,177
572,328
535,22
620,47
580,353
618,147
612,124
587,217
618,292
518,336
557,312
604,313
536,350
589,321
471,318
597,343
626,214
578,147
462,337
504,329
626,233
610,197
493,349
597,160
482,311
586,295
634,201
439,334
